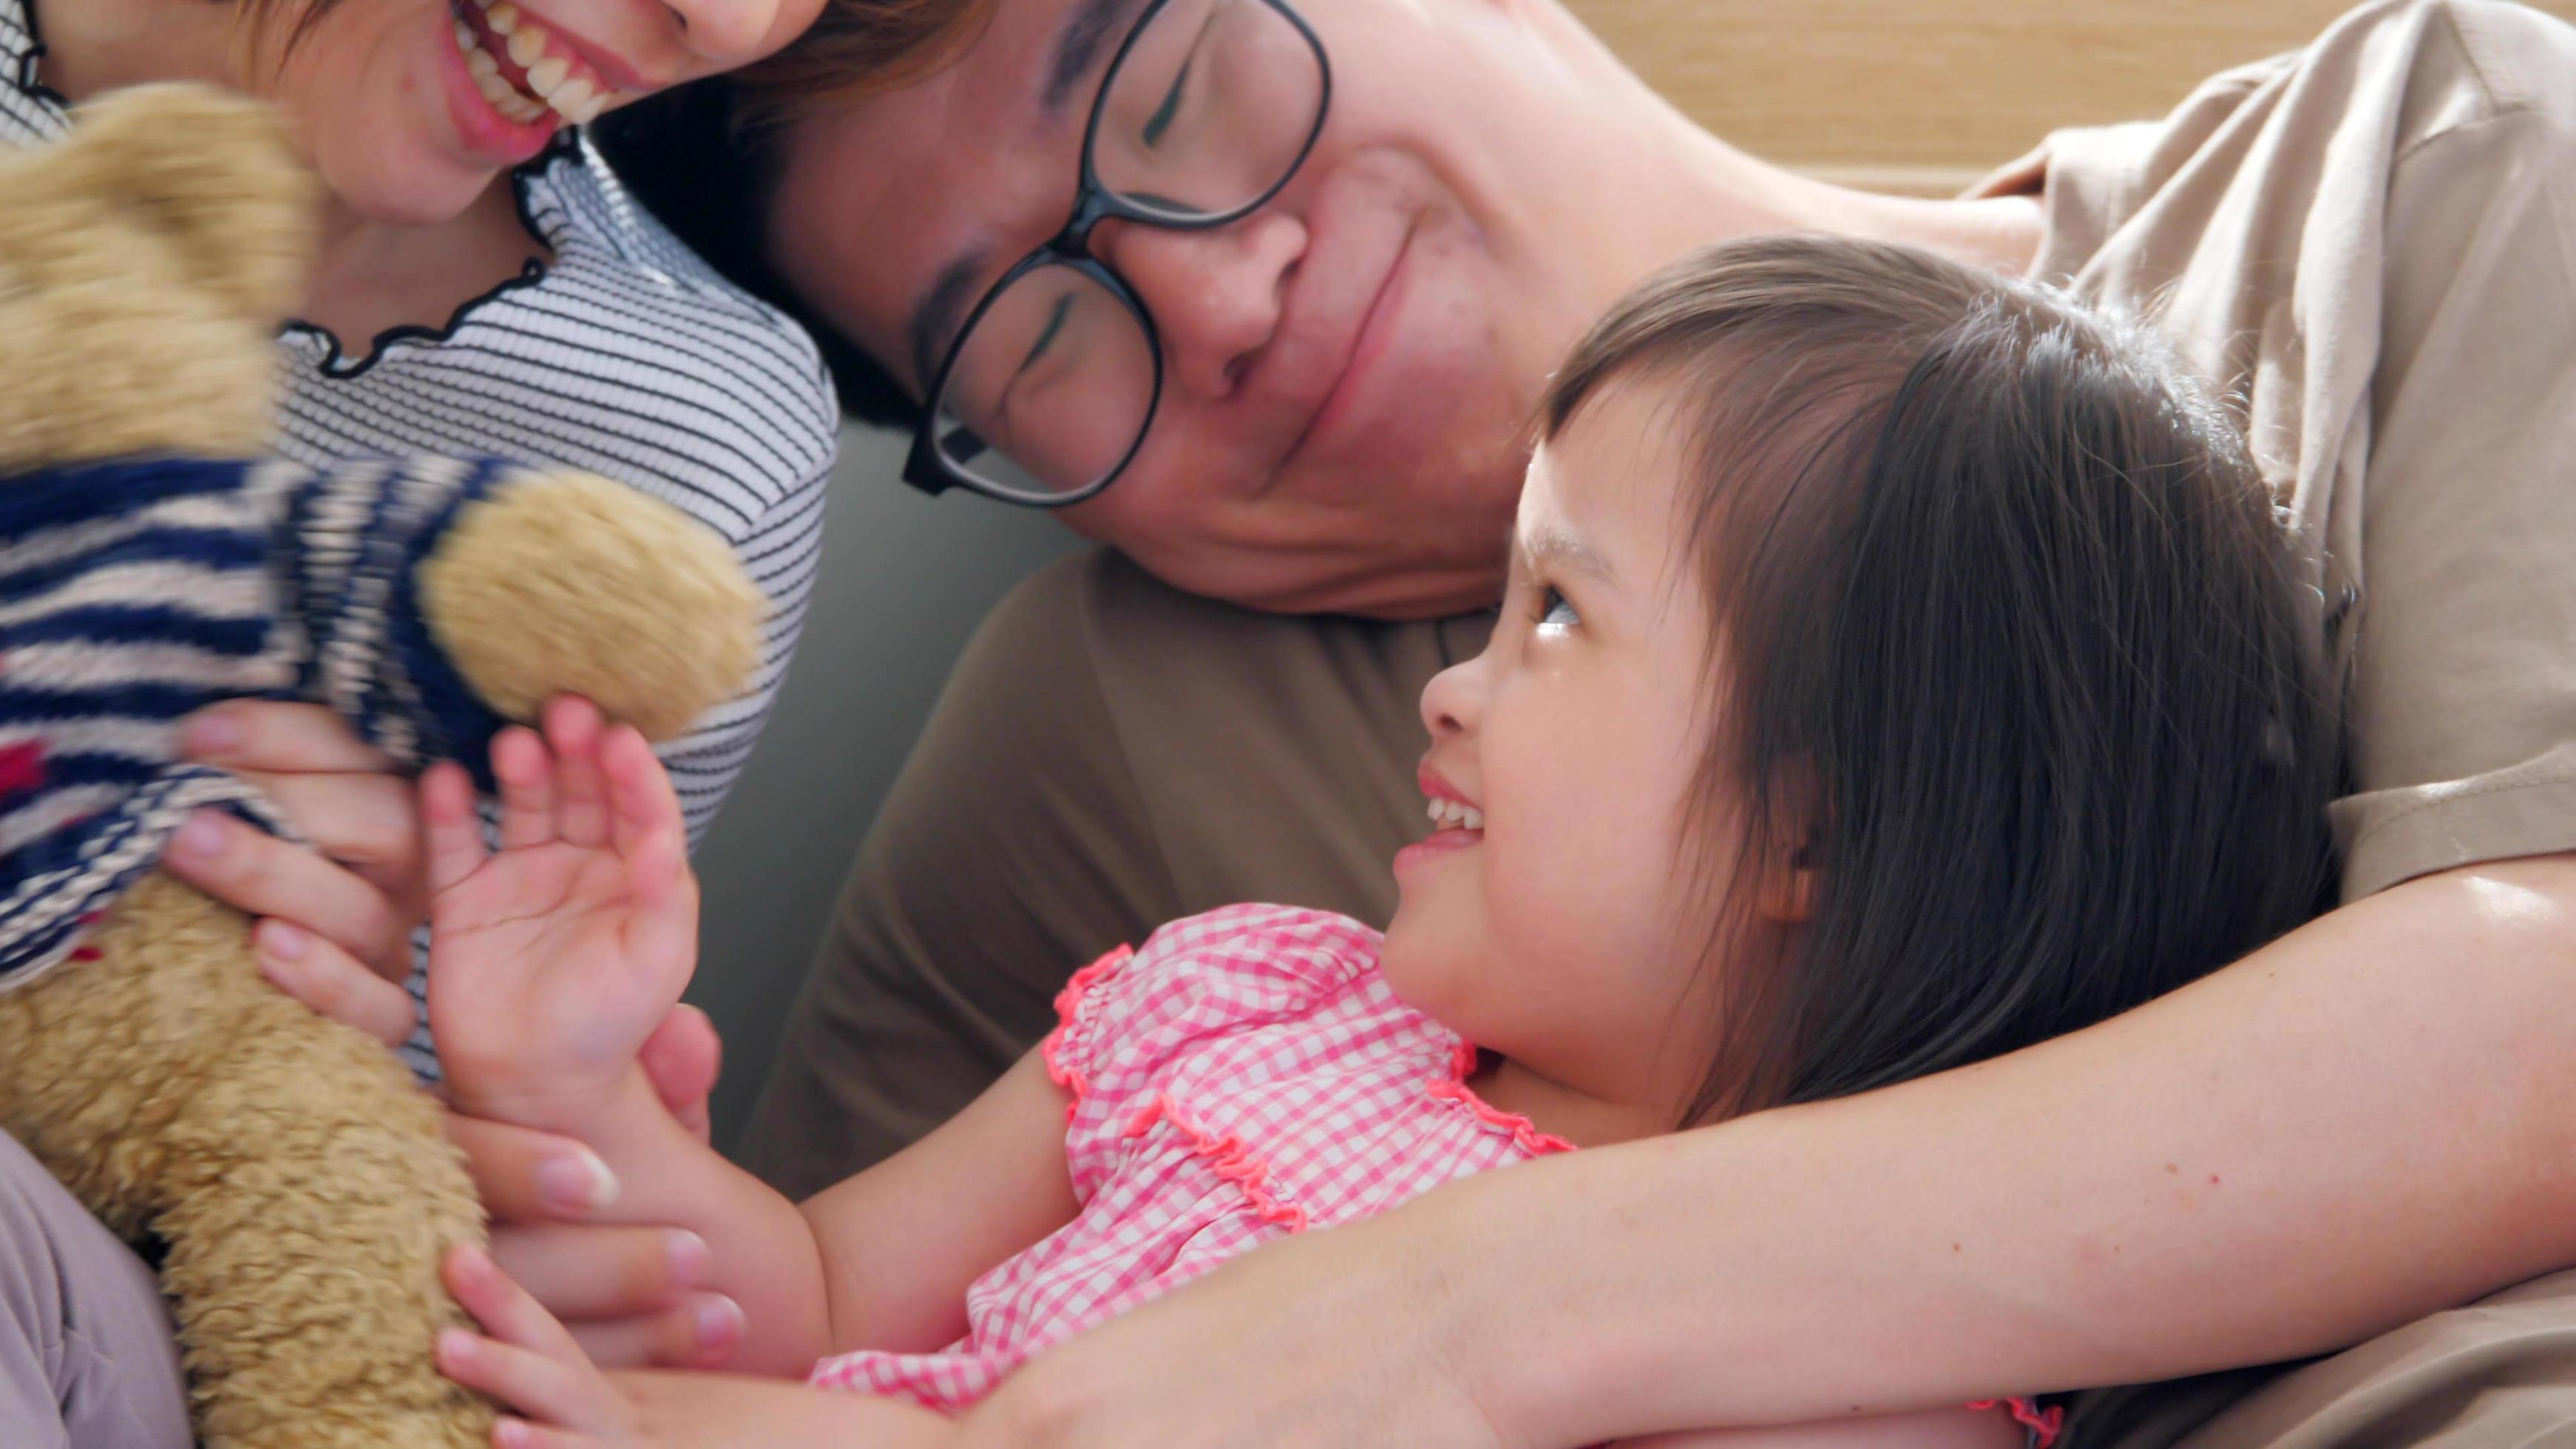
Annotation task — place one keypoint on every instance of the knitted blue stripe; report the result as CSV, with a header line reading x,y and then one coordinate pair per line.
x,y
140,624
205,547
49,498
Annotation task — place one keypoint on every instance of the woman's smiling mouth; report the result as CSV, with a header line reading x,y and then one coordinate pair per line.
x,y
523,68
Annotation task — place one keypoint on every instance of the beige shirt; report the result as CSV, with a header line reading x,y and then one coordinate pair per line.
x,y
2372,243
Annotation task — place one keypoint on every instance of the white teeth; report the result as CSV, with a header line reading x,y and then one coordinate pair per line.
x,y
576,101
574,97
1452,814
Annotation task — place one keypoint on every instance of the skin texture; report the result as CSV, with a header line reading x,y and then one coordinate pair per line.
x,y
1487,155
1557,934
418,217
553,955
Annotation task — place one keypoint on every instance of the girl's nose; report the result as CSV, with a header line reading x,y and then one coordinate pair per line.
x,y
1454,699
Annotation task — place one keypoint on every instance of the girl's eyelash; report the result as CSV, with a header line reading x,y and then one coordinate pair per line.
x,y
1547,599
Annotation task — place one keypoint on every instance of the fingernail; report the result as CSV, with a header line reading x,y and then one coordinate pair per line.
x,y
210,733
576,1182
279,941
689,1256
199,838
455,1345
511,1434
719,1321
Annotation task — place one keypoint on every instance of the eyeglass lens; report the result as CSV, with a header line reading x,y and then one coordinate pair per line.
x,y
1054,384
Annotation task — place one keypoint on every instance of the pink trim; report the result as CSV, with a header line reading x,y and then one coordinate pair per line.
x,y
1228,1156
1525,1133
1068,1006
2043,1424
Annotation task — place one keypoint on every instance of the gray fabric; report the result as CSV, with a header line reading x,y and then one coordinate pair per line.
x,y
87,1357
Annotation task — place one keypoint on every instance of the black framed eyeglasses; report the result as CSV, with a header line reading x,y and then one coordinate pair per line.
x,y
1206,111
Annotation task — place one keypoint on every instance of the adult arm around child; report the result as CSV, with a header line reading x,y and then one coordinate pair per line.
x,y
2226,1176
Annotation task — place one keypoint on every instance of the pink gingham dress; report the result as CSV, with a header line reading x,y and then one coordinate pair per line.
x,y
1245,1076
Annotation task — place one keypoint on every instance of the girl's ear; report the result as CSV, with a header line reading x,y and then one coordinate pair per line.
x,y
1788,895
1793,876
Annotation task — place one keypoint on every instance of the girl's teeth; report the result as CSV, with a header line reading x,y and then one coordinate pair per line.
x,y
545,75
503,18
527,47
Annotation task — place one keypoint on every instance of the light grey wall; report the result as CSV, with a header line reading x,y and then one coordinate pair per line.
x,y
905,579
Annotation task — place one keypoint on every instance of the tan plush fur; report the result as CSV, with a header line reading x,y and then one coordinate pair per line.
x,y
509,561
295,1174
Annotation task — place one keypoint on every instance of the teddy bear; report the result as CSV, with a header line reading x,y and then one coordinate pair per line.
x,y
292,1175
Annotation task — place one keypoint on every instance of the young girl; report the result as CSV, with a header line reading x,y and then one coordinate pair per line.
x,y
1901,667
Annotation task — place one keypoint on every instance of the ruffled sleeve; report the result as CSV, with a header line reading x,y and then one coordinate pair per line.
x,y
1133,1027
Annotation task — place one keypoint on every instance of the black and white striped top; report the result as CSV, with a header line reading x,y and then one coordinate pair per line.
x,y
626,356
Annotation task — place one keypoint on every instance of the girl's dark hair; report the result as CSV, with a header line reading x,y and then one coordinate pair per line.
x,y
2014,658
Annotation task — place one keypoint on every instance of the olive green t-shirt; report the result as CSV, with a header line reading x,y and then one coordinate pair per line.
x,y
2371,244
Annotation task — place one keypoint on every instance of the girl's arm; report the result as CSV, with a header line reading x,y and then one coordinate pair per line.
x,y
881,1261
2360,1124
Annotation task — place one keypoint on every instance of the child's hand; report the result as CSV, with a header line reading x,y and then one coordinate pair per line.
x,y
552,961
532,1365
529,1363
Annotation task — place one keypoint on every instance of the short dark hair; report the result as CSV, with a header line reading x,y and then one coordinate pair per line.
x,y
705,159
2014,656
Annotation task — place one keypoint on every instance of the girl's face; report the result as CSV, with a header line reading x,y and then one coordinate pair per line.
x,y
1554,924
410,108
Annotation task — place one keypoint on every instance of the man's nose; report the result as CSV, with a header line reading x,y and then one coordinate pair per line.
x,y
1216,295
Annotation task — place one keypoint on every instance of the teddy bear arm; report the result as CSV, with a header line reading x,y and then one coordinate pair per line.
x,y
296,1176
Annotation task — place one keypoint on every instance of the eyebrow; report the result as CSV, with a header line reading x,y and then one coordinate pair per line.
x,y
940,312
1554,543
1077,48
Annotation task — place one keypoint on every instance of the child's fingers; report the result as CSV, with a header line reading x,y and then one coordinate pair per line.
x,y
520,1434
527,777
542,1388
505,1309
451,836
640,797
581,800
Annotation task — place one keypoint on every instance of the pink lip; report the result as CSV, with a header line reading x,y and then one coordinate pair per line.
x,y
1443,841
488,134
1422,852
1437,787
1369,342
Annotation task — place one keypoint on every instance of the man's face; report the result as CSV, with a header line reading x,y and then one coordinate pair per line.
x,y
1348,372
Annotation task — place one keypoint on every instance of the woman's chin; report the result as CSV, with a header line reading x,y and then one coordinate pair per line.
x,y
423,190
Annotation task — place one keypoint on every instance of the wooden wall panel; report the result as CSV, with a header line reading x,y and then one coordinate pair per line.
x,y
1924,95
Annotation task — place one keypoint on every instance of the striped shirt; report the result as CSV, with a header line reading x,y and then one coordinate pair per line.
x,y
626,356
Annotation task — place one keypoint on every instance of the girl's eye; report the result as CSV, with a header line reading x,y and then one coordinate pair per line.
x,y
1555,615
